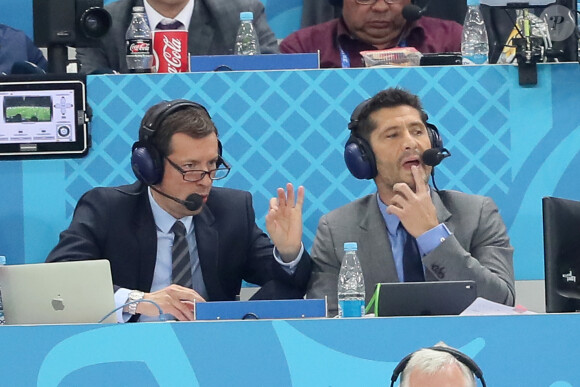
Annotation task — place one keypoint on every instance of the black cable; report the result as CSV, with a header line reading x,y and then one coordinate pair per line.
x,y
433,179
161,314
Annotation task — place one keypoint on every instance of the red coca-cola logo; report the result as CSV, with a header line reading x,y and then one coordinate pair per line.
x,y
172,54
170,51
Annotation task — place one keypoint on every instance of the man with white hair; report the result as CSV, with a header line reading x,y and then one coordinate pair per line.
x,y
440,366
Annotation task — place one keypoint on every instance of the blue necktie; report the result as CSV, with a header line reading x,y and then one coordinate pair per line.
x,y
412,264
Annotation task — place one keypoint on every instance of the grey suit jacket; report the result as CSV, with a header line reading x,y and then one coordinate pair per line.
x,y
478,249
212,31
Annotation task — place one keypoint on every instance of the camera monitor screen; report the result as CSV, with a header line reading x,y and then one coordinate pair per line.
x,y
43,118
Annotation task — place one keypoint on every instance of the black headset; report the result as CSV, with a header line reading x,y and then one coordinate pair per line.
x,y
460,356
358,154
146,160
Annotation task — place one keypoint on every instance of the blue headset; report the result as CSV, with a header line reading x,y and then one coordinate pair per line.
x,y
358,154
146,160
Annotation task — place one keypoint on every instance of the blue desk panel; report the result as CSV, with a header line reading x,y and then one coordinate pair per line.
x,y
526,350
513,143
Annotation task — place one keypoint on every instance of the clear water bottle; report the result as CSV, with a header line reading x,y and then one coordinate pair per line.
x,y
351,284
247,42
474,42
2,262
139,44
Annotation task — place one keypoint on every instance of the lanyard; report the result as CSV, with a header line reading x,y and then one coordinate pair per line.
x,y
344,59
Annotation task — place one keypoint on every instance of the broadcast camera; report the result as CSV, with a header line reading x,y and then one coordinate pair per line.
x,y
62,23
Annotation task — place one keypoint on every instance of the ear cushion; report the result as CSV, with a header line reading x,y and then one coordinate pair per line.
x,y
146,164
359,158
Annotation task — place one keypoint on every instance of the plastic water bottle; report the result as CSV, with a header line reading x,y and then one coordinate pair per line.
x,y
139,52
247,42
474,42
2,262
351,284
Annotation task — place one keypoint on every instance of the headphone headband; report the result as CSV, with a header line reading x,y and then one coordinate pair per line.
x,y
458,355
155,116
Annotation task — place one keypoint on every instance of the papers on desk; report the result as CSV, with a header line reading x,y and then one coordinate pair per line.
x,y
483,307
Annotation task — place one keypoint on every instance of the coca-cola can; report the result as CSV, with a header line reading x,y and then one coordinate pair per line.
x,y
170,51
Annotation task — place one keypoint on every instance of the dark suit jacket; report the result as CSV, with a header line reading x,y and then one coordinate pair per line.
x,y
212,31
117,224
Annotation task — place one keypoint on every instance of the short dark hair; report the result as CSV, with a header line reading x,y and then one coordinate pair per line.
x,y
190,120
388,98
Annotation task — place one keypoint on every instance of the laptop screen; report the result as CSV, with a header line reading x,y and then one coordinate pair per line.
x,y
57,293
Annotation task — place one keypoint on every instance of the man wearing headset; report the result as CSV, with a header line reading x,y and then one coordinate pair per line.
x,y
458,236
440,365
147,228
373,25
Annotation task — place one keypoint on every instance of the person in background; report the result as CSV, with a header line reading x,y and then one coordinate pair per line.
x,y
408,231
372,25
174,239
316,11
440,366
212,27
16,47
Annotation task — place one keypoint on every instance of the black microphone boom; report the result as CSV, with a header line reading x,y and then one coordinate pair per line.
x,y
411,12
434,156
193,202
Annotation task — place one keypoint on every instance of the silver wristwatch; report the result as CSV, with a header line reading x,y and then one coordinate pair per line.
x,y
134,295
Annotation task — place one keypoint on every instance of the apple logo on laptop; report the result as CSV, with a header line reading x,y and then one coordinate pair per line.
x,y
57,303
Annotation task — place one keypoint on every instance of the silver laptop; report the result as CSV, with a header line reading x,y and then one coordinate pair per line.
x,y
57,293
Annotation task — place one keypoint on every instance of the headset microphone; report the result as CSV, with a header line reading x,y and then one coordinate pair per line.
x,y
193,202
434,156
411,12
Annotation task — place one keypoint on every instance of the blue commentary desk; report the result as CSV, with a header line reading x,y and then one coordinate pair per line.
x,y
523,350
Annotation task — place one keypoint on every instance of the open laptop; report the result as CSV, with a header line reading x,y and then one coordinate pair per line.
x,y
57,293
422,298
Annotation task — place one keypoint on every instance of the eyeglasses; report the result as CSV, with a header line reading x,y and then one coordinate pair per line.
x,y
371,2
198,174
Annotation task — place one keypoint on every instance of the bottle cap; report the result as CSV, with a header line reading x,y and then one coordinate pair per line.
x,y
138,9
472,2
350,246
246,16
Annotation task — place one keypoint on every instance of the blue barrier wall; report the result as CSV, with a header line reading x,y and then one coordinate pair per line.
x,y
540,350
515,144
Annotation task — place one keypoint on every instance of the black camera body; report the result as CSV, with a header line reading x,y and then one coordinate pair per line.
x,y
75,23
